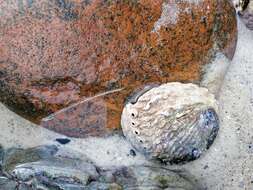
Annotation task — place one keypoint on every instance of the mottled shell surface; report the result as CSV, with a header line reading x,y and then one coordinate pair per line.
x,y
173,122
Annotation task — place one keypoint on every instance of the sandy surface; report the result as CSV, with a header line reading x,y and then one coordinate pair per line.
x,y
228,165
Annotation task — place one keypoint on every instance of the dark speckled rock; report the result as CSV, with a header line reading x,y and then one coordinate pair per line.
x,y
58,53
53,172
15,156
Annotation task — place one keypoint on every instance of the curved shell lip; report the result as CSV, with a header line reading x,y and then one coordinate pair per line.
x,y
215,129
134,96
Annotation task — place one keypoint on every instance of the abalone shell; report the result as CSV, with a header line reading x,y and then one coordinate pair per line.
x,y
172,122
77,61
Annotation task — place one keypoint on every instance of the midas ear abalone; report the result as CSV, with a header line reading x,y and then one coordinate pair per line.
x,y
174,122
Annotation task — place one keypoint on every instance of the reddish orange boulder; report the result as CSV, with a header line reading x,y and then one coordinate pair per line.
x,y
91,55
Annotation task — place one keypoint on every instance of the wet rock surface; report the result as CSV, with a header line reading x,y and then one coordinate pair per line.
x,y
54,54
63,173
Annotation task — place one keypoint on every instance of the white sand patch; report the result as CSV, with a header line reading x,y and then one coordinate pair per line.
x,y
214,73
228,165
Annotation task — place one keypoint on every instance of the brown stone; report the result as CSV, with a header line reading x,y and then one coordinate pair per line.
x,y
58,53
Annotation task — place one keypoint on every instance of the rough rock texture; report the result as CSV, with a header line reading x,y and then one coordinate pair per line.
x,y
55,53
174,122
15,156
54,173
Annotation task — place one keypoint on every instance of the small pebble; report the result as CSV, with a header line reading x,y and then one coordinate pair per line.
x,y
132,153
63,140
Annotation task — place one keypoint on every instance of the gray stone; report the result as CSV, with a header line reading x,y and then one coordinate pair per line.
x,y
3,180
41,169
23,186
153,177
59,169
15,156
103,186
7,184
